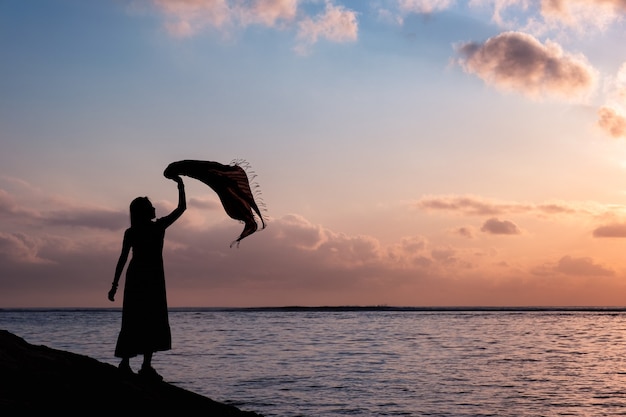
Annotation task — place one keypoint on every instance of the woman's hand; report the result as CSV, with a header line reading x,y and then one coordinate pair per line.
x,y
112,292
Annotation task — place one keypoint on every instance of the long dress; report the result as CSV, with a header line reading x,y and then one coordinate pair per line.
x,y
145,324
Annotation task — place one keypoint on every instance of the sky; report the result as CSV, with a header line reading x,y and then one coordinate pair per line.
x,y
406,152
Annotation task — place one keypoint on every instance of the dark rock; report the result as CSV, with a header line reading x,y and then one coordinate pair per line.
x,y
36,379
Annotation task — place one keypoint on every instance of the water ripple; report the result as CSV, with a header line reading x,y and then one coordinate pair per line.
x,y
318,364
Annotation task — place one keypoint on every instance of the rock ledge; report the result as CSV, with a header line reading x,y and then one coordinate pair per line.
x,y
36,379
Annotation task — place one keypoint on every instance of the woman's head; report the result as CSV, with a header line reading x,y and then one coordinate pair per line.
x,y
141,211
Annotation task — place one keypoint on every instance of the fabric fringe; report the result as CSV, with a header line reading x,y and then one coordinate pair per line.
x,y
255,188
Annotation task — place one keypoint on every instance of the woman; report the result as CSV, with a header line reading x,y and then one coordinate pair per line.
x,y
145,325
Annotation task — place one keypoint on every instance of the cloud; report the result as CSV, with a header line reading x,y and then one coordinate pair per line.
x,y
515,61
611,230
581,267
464,231
573,267
73,217
292,256
293,261
270,12
203,203
395,11
336,24
10,207
26,208
537,17
612,116
61,213
85,217
469,205
423,6
478,206
500,227
21,248
612,121
580,16
187,18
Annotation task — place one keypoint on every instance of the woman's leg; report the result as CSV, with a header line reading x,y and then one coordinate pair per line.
x,y
147,360
124,366
147,370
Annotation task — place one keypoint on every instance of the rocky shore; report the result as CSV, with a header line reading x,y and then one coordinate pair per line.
x,y
36,379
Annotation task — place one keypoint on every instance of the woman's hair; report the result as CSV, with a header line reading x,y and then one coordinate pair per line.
x,y
140,211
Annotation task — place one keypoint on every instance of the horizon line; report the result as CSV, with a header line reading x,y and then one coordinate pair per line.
x,y
348,308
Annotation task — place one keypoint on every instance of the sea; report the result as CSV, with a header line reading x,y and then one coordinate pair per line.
x,y
379,361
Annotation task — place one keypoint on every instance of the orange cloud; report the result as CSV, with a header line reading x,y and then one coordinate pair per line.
x,y
186,18
293,261
464,231
500,227
516,61
269,12
575,267
611,230
478,206
612,121
469,205
581,266
612,116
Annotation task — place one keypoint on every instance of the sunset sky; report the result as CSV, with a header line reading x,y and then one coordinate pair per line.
x,y
408,152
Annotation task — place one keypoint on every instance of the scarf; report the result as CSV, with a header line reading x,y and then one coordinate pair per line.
x,y
232,186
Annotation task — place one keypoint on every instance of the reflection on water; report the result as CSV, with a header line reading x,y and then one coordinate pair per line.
x,y
372,363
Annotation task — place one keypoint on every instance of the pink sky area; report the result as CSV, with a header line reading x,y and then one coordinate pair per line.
x,y
481,252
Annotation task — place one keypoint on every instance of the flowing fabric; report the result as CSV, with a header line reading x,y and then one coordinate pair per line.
x,y
232,186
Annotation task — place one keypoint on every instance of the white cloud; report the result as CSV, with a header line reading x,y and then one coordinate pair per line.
x,y
582,15
424,6
542,16
336,24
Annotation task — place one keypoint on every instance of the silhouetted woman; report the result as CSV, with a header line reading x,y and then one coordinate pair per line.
x,y
145,325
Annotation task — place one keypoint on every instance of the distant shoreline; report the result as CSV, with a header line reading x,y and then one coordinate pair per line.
x,y
347,308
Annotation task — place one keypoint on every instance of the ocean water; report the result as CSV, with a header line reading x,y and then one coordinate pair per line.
x,y
378,362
